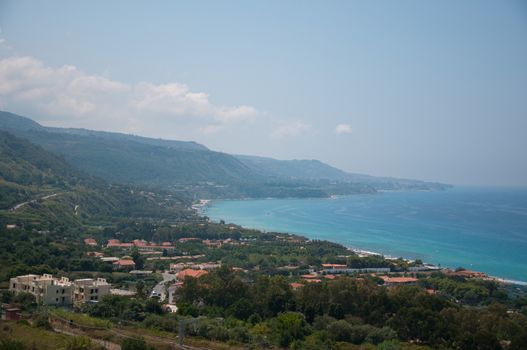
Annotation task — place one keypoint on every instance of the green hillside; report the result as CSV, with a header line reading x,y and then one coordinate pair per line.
x,y
39,187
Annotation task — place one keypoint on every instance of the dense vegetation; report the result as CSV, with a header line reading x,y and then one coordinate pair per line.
x,y
256,305
53,193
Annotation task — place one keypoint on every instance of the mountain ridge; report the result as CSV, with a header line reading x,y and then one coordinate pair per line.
x,y
123,158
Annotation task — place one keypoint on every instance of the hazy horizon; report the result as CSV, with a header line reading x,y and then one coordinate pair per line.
x,y
429,91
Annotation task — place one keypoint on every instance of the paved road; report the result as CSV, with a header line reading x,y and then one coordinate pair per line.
x,y
20,205
160,287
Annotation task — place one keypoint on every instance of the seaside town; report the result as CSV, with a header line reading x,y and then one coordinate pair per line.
x,y
192,280
60,291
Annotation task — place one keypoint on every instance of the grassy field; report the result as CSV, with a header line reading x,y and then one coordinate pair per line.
x,y
31,337
82,319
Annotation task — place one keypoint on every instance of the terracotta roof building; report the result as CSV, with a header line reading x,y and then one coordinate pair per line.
x,y
90,242
124,264
190,273
296,285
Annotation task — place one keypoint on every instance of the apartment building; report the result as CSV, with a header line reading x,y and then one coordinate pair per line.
x,y
49,290
90,290
46,289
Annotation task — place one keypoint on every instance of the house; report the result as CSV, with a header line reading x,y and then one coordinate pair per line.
x,y
296,285
90,242
314,280
117,243
212,244
10,312
343,270
190,273
95,254
10,226
208,266
392,281
88,289
176,267
124,264
140,243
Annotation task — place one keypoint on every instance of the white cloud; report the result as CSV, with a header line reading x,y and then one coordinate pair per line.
x,y
85,100
343,129
211,129
290,129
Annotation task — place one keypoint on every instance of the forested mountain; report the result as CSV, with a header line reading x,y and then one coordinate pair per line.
x,y
312,169
38,186
132,159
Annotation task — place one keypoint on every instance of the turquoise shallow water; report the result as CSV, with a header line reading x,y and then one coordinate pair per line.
x,y
483,229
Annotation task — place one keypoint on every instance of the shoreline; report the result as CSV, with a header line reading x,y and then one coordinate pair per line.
x,y
201,207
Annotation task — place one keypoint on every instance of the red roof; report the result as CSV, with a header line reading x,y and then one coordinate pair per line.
x,y
308,276
90,241
124,262
388,279
191,273
296,285
139,243
330,277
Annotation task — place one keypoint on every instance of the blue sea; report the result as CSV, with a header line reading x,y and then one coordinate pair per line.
x,y
483,229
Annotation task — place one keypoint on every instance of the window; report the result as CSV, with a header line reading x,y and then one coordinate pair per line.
x,y
57,300
57,291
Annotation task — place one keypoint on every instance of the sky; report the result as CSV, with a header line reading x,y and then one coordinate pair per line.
x,y
431,90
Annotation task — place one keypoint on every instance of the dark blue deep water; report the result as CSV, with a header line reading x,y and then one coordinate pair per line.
x,y
484,229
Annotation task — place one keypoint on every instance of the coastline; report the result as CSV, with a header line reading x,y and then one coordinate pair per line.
x,y
203,205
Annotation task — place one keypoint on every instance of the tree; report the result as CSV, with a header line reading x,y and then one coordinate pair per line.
x,y
140,289
138,259
288,327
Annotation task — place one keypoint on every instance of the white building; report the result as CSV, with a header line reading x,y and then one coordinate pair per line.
x,y
90,290
49,290
46,289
